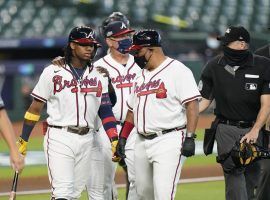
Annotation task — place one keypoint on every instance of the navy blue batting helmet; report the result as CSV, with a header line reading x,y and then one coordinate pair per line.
x,y
83,35
145,38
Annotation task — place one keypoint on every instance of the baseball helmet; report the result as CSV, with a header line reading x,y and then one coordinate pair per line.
x,y
83,35
115,16
145,38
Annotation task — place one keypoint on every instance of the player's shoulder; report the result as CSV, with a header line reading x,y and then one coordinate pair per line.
x,y
177,66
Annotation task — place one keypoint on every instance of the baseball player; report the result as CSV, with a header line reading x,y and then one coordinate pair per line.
x,y
163,107
75,94
122,71
6,130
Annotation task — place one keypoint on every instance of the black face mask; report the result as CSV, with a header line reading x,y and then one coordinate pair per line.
x,y
140,61
235,57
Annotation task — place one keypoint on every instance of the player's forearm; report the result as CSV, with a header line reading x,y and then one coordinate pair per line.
x,y
7,130
192,112
108,121
31,117
204,104
263,113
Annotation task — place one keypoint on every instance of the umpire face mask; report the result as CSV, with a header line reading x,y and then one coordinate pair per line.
x,y
235,57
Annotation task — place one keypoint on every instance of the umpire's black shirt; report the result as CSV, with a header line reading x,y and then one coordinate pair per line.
x,y
236,91
263,51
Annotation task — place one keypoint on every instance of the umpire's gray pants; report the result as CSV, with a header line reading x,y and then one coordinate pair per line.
x,y
240,183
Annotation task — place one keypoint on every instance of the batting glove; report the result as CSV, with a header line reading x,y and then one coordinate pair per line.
x,y
22,145
188,148
120,149
115,158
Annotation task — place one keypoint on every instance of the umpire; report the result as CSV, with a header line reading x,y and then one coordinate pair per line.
x,y
239,82
264,181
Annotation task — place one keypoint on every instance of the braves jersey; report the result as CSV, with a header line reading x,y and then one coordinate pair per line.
x,y
122,78
158,97
71,102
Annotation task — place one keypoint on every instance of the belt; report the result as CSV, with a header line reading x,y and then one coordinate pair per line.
x,y
239,124
159,133
73,129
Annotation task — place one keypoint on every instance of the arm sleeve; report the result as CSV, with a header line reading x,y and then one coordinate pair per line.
x,y
106,115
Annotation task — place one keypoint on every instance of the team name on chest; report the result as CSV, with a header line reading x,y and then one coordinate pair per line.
x,y
86,85
152,87
122,81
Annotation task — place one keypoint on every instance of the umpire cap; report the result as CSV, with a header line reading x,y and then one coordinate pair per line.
x,y
235,33
83,35
145,38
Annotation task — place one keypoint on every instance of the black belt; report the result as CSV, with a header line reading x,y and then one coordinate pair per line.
x,y
239,124
71,129
152,136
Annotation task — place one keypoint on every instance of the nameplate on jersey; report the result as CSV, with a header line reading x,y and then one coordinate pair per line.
x,y
251,76
251,86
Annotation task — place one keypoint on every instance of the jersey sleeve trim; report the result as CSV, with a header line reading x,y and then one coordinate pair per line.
x,y
39,97
191,99
129,107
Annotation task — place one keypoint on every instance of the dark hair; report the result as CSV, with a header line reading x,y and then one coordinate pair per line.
x,y
68,55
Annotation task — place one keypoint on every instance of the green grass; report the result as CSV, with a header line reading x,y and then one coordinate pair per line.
x,y
190,191
35,144
29,171
200,160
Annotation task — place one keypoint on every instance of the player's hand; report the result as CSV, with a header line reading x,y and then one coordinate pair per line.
x,y
16,160
115,158
103,71
59,61
22,145
120,149
188,148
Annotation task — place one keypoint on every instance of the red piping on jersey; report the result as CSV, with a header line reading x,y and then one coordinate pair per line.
x,y
121,88
177,168
128,73
147,95
49,169
38,97
129,107
190,99
85,109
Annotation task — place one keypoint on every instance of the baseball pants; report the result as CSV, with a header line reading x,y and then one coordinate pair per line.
x,y
68,157
240,183
158,165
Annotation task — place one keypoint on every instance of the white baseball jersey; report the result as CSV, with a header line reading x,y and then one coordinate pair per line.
x,y
159,97
68,104
122,78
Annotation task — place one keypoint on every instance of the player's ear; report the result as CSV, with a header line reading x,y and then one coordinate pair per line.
x,y
72,45
109,42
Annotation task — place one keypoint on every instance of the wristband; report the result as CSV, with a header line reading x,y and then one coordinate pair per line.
x,y
126,129
190,135
31,117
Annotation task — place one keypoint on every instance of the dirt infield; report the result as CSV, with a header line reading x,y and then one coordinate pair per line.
x,y
37,183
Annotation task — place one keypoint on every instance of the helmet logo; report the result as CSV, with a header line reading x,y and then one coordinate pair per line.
x,y
228,30
90,35
123,26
